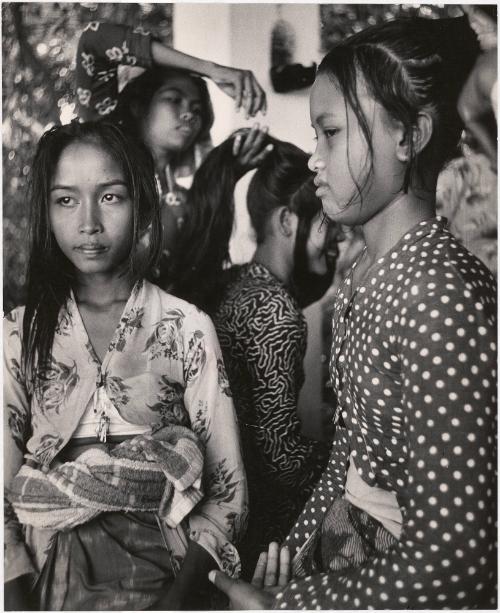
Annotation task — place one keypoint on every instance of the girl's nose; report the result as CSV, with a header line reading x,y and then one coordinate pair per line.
x,y
315,162
90,222
187,116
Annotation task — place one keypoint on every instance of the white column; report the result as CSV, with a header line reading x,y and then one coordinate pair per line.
x,y
204,30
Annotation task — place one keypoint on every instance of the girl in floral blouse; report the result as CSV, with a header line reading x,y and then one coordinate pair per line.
x,y
404,515
167,107
116,400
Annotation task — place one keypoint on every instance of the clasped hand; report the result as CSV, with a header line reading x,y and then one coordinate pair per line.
x,y
272,573
250,148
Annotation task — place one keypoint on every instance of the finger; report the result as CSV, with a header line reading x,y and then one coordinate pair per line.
x,y
284,576
272,565
254,146
223,582
250,138
247,93
237,144
260,569
257,95
238,90
263,108
259,138
263,154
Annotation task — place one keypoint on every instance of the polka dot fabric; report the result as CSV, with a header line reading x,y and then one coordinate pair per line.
x,y
413,365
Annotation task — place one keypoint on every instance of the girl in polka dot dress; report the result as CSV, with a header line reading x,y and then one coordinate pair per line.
x,y
404,515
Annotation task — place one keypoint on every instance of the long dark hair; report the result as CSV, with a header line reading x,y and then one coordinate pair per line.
x,y
409,66
308,287
50,274
277,179
202,253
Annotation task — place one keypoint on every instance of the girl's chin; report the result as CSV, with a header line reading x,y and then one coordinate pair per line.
x,y
180,143
345,214
333,210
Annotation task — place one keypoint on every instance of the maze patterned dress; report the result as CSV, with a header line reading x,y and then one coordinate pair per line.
x,y
263,336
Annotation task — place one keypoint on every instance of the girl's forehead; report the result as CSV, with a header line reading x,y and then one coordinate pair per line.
x,y
182,83
328,99
86,157
325,95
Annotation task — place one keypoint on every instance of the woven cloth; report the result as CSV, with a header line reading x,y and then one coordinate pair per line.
x,y
158,472
346,539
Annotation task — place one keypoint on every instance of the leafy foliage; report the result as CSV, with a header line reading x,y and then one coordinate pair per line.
x,y
341,20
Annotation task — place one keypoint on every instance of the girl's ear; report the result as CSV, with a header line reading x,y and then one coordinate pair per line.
x,y
287,221
420,136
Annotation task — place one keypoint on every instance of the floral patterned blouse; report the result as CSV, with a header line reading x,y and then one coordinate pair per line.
x,y
414,368
102,48
163,366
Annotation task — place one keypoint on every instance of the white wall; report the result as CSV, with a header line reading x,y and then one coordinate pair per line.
x,y
240,35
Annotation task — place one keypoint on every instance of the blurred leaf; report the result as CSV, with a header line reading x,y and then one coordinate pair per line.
x,y
341,20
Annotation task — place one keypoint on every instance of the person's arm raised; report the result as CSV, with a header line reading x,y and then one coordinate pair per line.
x,y
241,85
104,46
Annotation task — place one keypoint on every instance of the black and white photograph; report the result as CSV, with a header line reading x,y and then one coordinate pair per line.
x,y
250,306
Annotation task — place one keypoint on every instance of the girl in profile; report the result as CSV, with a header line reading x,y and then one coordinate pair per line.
x,y
404,515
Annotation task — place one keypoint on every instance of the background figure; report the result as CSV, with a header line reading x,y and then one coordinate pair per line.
x,y
263,336
478,100
105,374
398,519
259,320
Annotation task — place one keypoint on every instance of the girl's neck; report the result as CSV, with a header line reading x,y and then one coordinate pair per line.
x,y
385,229
162,159
101,291
275,260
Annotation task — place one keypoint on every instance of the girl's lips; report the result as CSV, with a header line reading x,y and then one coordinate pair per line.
x,y
187,130
91,249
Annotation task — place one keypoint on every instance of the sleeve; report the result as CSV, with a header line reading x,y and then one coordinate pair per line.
x,y
220,519
274,349
16,429
446,554
101,49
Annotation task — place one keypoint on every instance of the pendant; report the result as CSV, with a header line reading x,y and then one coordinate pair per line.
x,y
171,199
103,427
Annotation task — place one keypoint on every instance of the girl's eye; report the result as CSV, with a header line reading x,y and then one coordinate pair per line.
x,y
65,201
173,99
196,110
110,198
330,132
